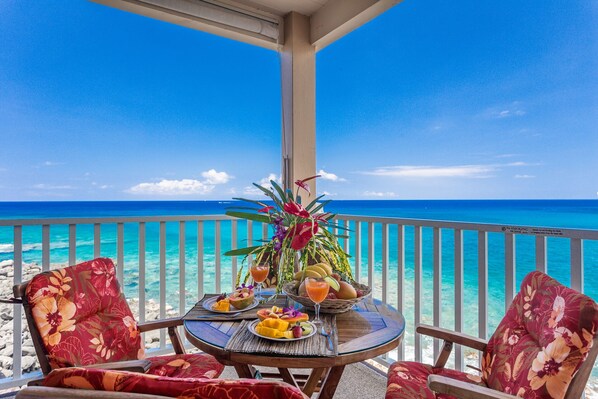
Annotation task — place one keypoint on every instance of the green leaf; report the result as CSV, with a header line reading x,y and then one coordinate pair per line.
x,y
242,251
279,190
249,216
322,204
261,204
270,194
314,202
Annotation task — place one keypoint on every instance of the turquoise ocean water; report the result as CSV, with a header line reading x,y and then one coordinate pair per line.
x,y
582,214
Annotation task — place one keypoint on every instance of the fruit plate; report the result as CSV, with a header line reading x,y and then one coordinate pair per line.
x,y
251,328
330,306
208,303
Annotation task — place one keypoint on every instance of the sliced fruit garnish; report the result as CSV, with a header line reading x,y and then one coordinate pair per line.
x,y
332,283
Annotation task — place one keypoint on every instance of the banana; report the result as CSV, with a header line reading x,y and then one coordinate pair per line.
x,y
321,272
326,267
300,275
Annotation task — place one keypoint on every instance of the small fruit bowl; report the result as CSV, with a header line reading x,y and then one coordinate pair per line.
x,y
331,306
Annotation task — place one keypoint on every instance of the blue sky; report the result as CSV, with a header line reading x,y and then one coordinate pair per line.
x,y
431,100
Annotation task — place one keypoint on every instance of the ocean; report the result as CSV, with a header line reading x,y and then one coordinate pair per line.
x,y
579,214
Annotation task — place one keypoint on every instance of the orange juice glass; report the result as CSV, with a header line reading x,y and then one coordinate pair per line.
x,y
317,289
259,273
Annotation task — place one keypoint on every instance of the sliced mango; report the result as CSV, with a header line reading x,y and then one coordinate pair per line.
x,y
222,306
276,324
268,332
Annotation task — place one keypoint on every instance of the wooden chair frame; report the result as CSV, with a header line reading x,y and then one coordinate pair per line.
x,y
465,390
140,366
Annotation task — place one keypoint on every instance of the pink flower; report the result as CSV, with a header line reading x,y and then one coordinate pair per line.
x,y
296,209
302,183
266,209
302,233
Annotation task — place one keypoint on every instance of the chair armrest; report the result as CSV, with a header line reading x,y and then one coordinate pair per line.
x,y
158,324
70,393
452,336
464,390
136,366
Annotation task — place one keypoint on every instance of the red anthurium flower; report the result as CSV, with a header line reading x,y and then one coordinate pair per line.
x,y
303,183
302,233
321,217
296,209
266,209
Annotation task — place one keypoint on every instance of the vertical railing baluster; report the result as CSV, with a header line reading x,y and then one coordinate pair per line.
x,y
72,244
142,272
45,247
120,253
249,240
264,231
371,252
17,328
162,281
357,251
218,240
577,264
510,277
541,261
384,262
346,233
437,304
200,265
417,266
233,245
182,261
483,284
97,241
401,279
458,248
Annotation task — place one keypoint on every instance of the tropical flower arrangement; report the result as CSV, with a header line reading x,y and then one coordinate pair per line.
x,y
301,235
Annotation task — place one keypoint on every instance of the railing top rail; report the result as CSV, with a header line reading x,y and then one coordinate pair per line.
x,y
111,220
487,227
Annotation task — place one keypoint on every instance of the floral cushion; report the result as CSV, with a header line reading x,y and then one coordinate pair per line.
x,y
187,388
198,365
542,340
82,315
84,319
410,379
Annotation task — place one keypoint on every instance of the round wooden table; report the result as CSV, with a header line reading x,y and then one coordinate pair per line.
x,y
371,329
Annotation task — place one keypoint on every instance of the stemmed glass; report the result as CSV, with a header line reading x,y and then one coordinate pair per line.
x,y
317,289
259,273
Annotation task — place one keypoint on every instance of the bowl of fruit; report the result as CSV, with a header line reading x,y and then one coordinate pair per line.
x,y
342,296
240,299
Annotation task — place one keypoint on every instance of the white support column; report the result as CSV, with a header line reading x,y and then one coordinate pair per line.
x,y
298,74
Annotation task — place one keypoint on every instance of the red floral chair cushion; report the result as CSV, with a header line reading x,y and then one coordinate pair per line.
x,y
187,388
534,353
409,380
542,341
83,319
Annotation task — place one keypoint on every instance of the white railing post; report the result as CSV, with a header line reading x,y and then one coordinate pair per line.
x,y
217,260
97,241
357,251
162,281
417,266
72,244
141,291
458,252
45,247
510,283
233,245
120,252
371,254
483,284
437,305
577,264
384,262
182,260
200,264
541,261
401,279
17,328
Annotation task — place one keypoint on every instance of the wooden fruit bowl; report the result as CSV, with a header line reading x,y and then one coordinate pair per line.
x,y
332,306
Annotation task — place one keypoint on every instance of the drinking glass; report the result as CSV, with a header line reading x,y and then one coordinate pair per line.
x,y
259,273
317,289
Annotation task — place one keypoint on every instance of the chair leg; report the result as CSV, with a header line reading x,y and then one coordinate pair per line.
x,y
175,339
447,347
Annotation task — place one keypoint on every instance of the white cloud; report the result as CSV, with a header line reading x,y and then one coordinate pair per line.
x,y
52,163
172,187
328,194
214,177
378,194
52,187
433,171
183,186
329,176
524,176
265,182
506,111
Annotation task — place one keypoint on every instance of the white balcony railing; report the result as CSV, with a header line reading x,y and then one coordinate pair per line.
x,y
435,272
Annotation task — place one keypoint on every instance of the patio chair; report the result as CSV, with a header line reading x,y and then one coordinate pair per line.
x,y
83,383
544,347
78,316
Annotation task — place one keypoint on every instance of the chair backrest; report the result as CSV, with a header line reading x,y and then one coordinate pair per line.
x,y
78,316
546,344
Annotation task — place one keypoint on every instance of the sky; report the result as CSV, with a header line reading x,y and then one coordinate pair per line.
x,y
431,100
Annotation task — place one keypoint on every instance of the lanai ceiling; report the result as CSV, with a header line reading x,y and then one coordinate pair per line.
x,y
260,22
